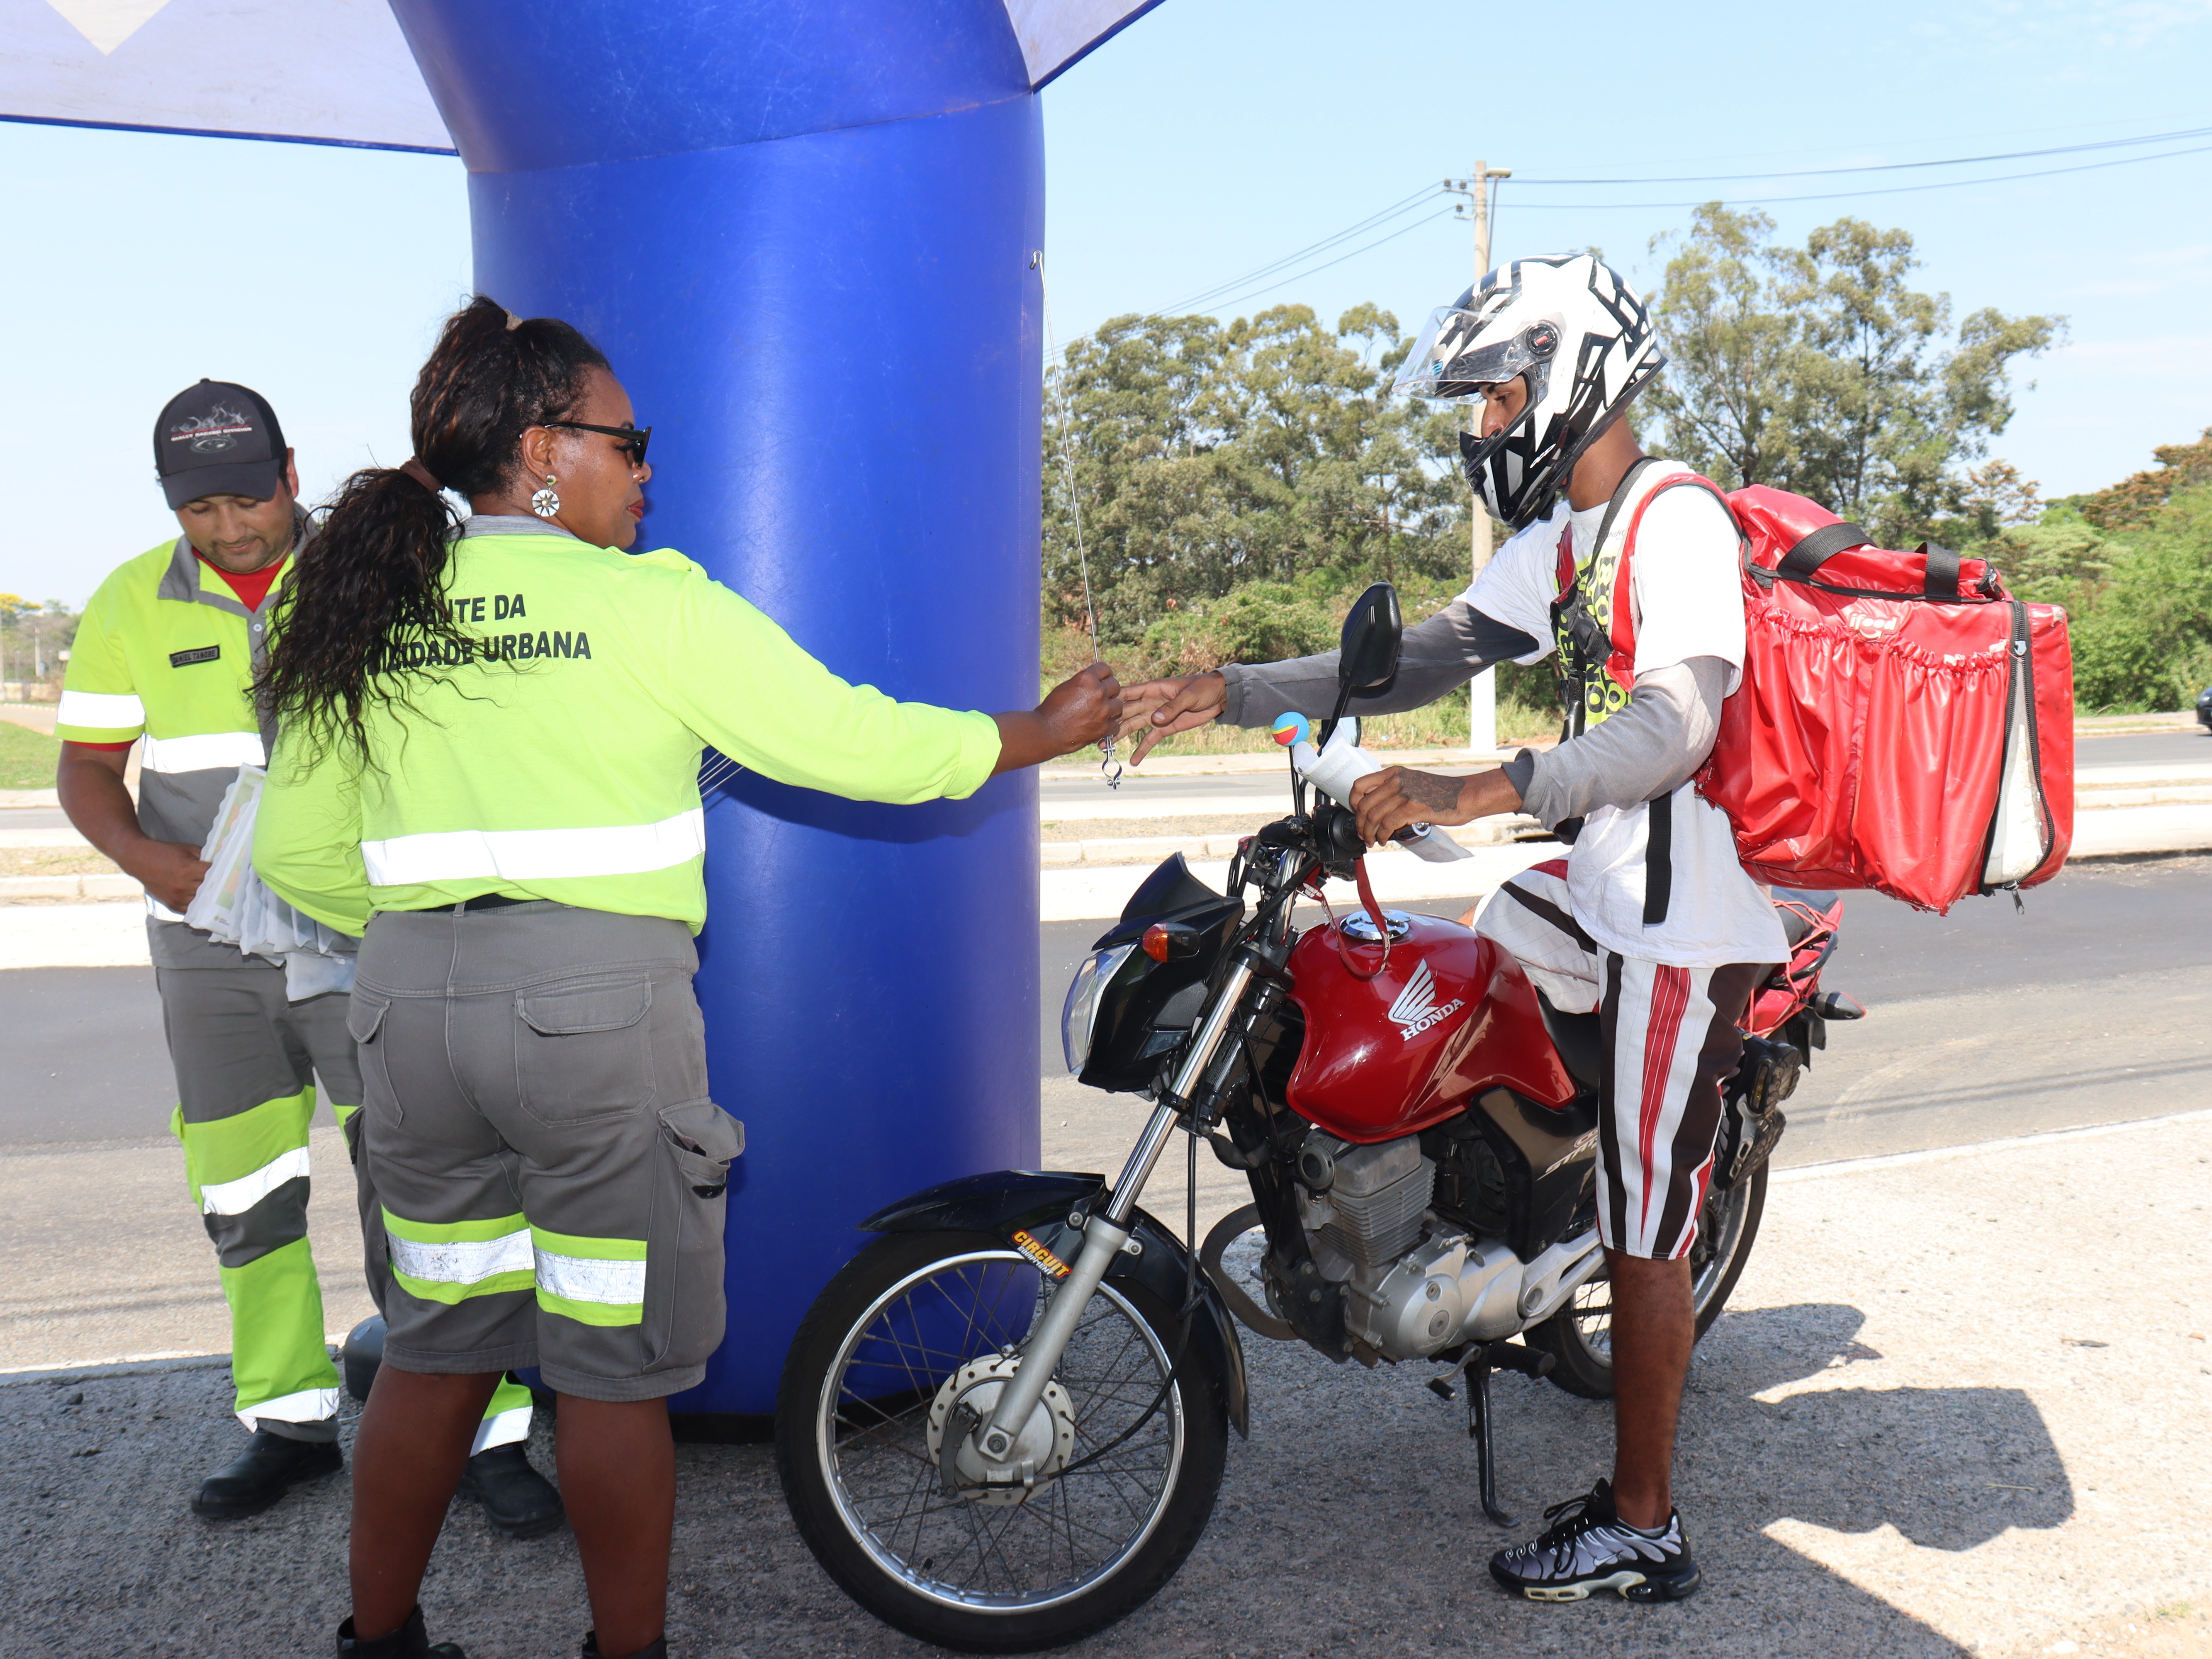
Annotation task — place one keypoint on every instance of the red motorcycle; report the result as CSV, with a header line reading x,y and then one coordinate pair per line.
x,y
1003,1424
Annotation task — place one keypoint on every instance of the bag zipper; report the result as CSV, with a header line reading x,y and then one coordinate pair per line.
x,y
1766,577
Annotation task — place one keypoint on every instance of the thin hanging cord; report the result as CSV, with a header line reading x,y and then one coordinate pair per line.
x,y
1108,764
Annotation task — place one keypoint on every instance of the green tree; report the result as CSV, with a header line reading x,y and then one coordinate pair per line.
x,y
1735,355
1820,369
1207,457
2142,631
2133,502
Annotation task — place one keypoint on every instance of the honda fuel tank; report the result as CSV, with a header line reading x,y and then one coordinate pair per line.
x,y
1395,1044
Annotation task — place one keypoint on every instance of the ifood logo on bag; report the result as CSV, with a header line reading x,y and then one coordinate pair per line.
x,y
1873,620
1416,1010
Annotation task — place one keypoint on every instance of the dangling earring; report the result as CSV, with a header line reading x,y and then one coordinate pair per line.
x,y
545,503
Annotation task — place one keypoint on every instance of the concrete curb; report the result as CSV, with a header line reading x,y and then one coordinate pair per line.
x,y
97,1370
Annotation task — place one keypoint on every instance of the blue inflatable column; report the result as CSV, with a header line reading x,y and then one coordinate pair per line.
x,y
802,230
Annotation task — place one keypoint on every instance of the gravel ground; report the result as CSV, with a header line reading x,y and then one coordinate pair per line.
x,y
1956,1408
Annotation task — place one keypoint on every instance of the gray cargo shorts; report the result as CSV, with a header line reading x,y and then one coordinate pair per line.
x,y
537,1131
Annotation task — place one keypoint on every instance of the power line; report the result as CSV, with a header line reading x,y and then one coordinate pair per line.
x,y
1373,219
1892,166
1274,284
1894,189
1215,295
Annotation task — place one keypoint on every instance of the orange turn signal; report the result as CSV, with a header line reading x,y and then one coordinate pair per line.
x,y
1164,941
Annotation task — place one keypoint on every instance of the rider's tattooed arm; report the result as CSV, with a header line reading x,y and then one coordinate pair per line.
x,y
1649,749
1428,789
1387,800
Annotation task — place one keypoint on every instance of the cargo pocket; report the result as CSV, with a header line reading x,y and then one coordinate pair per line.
x,y
581,1054
699,1140
365,1025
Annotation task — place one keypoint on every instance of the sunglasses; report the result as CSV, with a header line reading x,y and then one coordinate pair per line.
x,y
635,438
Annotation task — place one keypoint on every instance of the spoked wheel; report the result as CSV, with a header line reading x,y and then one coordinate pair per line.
x,y
1112,1480
1580,1336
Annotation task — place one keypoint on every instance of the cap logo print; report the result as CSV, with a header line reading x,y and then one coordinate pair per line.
x,y
211,434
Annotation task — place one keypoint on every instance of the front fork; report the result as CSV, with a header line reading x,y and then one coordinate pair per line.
x,y
1107,1230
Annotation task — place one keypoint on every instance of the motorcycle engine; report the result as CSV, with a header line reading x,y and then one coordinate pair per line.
x,y
1411,1286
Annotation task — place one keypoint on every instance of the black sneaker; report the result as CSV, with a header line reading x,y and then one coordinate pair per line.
x,y
1589,1547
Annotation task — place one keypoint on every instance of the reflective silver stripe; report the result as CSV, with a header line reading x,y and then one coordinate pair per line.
x,y
309,1405
237,1197
591,1278
461,1261
534,854
162,912
501,1429
202,753
103,711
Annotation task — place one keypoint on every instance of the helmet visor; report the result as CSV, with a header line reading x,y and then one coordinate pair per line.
x,y
1454,360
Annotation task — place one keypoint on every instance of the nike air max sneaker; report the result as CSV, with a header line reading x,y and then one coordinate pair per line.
x,y
1589,1547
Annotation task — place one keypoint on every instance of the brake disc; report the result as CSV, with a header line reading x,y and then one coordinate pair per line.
x,y
1041,1450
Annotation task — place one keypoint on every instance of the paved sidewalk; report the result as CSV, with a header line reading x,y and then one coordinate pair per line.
x,y
1959,1406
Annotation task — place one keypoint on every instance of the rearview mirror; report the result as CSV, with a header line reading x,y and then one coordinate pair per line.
x,y
1368,654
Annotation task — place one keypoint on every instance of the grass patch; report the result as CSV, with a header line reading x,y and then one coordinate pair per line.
x,y
27,758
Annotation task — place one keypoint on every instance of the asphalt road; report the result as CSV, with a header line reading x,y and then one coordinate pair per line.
x,y
83,1052
2088,1005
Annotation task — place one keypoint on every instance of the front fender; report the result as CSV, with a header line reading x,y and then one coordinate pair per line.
x,y
1029,1209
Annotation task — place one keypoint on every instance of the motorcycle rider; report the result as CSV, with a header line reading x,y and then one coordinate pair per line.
x,y
1650,920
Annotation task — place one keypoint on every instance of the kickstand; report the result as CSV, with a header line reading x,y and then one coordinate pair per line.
x,y
1478,1430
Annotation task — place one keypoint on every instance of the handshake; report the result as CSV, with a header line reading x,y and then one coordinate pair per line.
x,y
1092,705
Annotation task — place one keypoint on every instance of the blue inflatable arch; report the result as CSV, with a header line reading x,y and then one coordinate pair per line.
x,y
805,232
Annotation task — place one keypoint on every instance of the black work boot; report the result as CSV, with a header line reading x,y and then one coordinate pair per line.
x,y
271,1466
657,1649
410,1641
517,1500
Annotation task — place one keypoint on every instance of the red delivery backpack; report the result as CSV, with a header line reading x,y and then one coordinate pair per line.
x,y
1904,724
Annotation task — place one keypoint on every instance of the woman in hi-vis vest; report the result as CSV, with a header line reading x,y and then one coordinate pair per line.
x,y
489,768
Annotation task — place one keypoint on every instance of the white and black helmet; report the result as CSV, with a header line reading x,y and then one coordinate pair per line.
x,y
1523,320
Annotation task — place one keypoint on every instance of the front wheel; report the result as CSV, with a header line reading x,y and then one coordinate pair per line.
x,y
909,1346
1580,1336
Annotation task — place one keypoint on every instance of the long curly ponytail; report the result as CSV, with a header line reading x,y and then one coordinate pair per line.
x,y
368,597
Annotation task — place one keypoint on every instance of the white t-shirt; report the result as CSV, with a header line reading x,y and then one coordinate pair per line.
x,y
1688,600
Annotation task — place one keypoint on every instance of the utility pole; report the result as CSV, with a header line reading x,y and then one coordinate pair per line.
x,y
1480,206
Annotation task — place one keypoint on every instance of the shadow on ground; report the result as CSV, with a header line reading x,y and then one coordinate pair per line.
x,y
1348,1524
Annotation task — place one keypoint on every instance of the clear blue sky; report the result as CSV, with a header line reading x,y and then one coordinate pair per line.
x,y
1210,137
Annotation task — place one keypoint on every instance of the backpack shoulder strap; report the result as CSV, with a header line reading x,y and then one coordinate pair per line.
x,y
1623,605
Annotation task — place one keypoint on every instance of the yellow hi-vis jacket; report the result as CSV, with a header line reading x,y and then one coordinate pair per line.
x,y
556,755
167,652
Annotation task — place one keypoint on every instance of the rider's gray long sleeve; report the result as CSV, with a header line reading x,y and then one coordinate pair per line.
x,y
1651,748
1440,654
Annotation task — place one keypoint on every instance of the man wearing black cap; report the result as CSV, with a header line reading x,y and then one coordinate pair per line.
x,y
165,655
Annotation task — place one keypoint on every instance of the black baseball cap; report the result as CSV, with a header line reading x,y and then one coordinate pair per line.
x,y
218,439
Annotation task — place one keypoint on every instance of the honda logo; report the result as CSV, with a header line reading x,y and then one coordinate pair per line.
x,y
1416,1009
